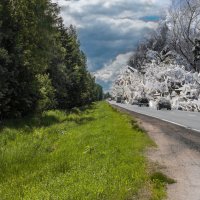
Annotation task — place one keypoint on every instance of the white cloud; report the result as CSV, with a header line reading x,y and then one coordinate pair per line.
x,y
83,11
110,71
107,28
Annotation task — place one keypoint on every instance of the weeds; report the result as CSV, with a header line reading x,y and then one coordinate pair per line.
x,y
93,153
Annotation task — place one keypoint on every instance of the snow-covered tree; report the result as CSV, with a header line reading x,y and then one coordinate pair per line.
x,y
168,62
184,26
173,81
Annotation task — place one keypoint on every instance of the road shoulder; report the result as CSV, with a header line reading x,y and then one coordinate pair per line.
x,y
178,153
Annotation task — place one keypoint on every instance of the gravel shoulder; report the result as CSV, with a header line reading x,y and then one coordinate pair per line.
x,y
178,152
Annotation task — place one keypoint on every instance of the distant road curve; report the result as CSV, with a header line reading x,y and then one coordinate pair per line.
x,y
189,120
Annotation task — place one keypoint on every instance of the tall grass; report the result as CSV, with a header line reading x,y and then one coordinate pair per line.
x,y
90,154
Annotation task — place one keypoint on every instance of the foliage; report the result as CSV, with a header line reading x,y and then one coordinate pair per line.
x,y
47,93
41,64
90,154
107,95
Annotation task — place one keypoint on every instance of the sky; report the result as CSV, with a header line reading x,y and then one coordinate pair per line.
x,y
109,30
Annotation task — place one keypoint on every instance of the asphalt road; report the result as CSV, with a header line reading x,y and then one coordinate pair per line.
x,y
178,152
189,120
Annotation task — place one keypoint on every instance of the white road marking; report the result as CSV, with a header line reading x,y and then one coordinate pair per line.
x,y
189,128
191,115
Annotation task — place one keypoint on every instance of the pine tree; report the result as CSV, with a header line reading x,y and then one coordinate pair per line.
x,y
41,63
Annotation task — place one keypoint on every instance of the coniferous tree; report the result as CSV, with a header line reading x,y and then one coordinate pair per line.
x,y
41,64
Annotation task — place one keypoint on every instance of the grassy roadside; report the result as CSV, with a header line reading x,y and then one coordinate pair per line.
x,y
93,154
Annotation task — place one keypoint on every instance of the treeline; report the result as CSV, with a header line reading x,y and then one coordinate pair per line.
x,y
41,64
176,39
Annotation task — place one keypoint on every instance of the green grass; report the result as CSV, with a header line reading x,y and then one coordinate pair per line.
x,y
159,181
92,154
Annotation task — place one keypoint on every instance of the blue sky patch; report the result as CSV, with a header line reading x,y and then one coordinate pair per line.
x,y
151,18
111,28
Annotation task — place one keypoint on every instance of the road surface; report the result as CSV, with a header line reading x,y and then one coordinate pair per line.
x,y
189,120
178,152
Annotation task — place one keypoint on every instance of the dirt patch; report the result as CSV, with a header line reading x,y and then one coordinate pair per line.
x,y
178,152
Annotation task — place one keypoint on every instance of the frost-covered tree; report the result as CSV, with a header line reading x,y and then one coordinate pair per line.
x,y
184,24
154,47
167,64
172,81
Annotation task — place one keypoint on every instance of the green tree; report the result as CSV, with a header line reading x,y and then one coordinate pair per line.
x,y
26,32
41,63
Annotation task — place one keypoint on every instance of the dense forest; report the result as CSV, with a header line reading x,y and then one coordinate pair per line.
x,y
41,64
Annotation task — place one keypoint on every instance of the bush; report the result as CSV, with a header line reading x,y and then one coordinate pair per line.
x,y
47,93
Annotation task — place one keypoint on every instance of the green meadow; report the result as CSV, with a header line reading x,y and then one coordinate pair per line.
x,y
86,154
